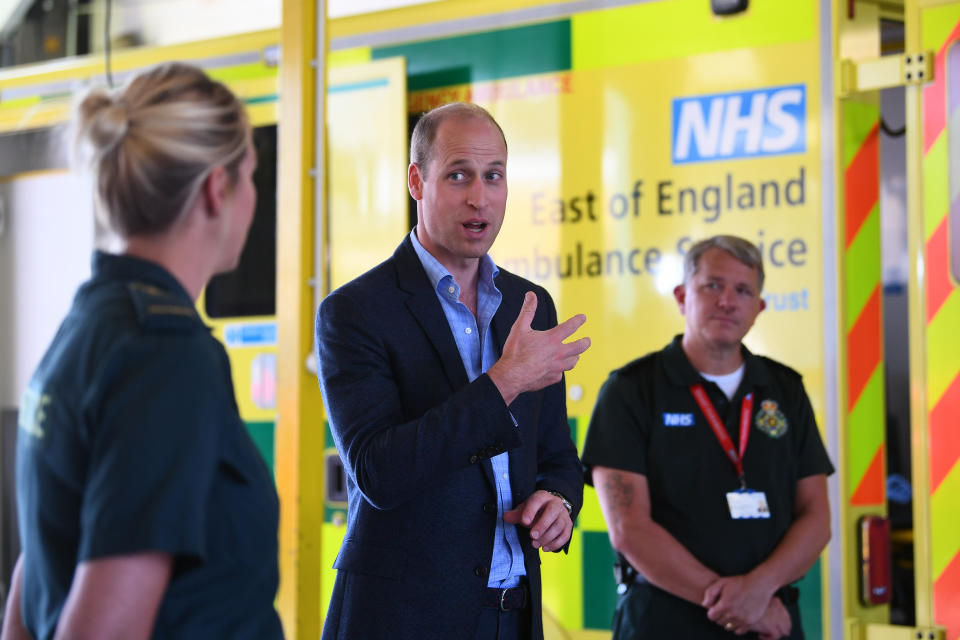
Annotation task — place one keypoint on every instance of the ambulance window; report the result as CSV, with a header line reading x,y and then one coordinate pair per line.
x,y
953,159
250,289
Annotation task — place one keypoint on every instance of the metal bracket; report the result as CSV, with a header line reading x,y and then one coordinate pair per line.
x,y
873,631
884,72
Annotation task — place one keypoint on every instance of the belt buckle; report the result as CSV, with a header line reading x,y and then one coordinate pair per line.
x,y
503,596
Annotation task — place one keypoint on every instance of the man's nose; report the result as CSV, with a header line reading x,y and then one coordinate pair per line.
x,y
477,195
726,298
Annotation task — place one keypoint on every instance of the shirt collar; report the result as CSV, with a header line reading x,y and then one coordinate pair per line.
x,y
437,273
128,268
681,373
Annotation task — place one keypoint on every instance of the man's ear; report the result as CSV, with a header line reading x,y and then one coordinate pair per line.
x,y
415,181
215,190
680,295
763,304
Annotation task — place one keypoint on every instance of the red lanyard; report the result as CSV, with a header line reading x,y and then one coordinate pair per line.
x,y
746,409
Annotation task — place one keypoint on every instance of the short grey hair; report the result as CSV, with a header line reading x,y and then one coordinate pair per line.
x,y
425,132
743,250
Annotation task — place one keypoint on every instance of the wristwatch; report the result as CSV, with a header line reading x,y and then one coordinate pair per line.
x,y
563,501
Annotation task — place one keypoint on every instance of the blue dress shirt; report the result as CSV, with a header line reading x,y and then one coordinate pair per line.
x,y
478,355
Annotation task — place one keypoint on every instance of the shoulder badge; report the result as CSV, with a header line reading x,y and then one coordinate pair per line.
x,y
159,309
770,419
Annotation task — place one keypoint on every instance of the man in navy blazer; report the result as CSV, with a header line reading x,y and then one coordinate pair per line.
x,y
442,377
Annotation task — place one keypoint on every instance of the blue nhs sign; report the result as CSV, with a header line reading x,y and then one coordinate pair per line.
x,y
742,124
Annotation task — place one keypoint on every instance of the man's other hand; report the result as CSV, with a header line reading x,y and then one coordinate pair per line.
x,y
773,624
534,359
547,519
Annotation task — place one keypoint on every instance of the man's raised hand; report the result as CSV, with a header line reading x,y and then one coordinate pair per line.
x,y
534,359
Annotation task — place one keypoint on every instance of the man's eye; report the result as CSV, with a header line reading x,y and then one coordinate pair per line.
x,y
494,176
457,176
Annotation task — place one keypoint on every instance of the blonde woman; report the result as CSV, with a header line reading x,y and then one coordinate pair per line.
x,y
144,508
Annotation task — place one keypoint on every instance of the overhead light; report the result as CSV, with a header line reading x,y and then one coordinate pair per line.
x,y
728,7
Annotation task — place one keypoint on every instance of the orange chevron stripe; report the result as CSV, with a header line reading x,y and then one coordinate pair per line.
x,y
939,286
944,434
946,598
871,489
934,104
862,183
864,348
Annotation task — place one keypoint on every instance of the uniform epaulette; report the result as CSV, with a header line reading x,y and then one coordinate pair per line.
x,y
159,309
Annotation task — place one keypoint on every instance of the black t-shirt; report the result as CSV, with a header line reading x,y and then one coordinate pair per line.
x,y
647,421
130,441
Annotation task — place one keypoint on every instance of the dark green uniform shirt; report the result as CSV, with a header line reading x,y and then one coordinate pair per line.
x,y
647,421
130,441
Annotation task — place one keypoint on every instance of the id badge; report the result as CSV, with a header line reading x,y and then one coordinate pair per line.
x,y
746,504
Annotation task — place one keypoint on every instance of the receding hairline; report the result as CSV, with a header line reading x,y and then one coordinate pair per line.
x,y
424,136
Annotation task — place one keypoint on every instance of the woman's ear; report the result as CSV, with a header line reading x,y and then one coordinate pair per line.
x,y
216,187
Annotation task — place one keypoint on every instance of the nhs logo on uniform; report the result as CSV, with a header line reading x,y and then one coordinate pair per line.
x,y
742,124
678,419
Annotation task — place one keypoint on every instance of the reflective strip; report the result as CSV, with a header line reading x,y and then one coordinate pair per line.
x,y
943,352
862,184
864,313
939,286
934,95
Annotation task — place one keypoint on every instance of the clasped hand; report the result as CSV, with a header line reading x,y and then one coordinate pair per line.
x,y
740,605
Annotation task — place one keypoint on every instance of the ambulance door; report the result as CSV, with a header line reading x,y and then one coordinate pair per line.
x,y
932,74
367,143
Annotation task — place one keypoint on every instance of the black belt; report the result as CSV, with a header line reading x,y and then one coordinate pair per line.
x,y
511,599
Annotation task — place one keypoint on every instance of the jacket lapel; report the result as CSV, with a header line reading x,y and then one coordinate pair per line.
x,y
506,314
425,307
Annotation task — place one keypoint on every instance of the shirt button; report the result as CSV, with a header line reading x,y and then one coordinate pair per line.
x,y
506,476
450,289
468,330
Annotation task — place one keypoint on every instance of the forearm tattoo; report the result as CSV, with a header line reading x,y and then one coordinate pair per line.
x,y
619,491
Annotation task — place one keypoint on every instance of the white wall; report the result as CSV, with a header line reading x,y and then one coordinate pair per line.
x,y
341,8
44,255
178,21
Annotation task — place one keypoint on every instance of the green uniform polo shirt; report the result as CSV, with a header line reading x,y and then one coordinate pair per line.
x,y
646,421
130,441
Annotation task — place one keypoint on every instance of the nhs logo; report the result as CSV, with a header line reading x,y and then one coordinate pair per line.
x,y
678,419
742,124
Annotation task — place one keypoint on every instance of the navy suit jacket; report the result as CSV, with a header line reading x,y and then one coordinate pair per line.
x,y
416,437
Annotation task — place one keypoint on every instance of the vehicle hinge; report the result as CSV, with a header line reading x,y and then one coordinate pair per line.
x,y
887,71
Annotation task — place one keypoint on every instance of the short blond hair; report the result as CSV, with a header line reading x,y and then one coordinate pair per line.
x,y
153,143
743,250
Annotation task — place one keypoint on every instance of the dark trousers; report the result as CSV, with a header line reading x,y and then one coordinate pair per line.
x,y
504,625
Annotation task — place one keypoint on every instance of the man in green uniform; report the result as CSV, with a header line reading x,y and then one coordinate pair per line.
x,y
709,468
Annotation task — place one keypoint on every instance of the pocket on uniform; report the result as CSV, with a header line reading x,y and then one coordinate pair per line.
x,y
629,620
676,462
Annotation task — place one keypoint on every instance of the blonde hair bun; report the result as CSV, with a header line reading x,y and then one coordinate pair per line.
x,y
154,142
104,120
